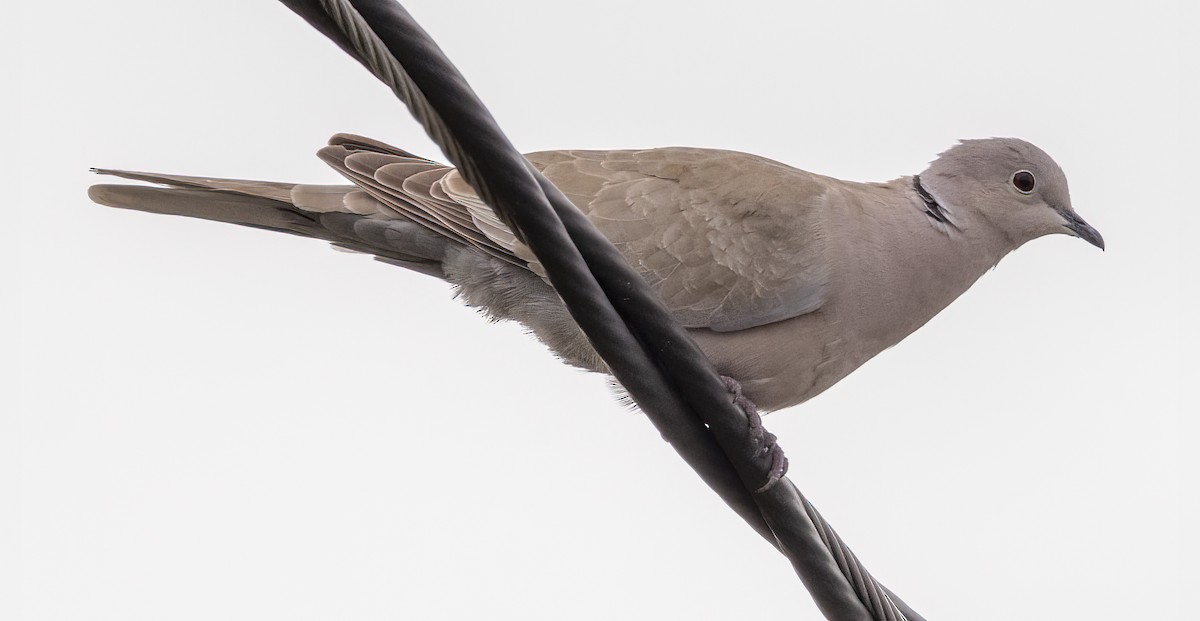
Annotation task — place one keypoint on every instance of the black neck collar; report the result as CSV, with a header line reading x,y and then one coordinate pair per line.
x,y
932,208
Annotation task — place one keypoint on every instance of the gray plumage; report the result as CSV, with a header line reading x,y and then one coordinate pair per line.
x,y
788,280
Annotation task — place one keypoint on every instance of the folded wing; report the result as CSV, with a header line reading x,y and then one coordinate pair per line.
x,y
729,240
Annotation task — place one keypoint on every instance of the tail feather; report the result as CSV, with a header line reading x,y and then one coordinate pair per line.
x,y
209,205
272,206
273,190
399,209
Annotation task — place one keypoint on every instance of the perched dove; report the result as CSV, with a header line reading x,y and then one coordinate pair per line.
x,y
787,280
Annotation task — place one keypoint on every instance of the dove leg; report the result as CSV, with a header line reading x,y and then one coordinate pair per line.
x,y
763,442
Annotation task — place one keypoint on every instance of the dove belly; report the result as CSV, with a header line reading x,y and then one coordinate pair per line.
x,y
778,364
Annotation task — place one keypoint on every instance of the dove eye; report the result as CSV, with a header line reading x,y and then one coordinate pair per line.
x,y
1023,180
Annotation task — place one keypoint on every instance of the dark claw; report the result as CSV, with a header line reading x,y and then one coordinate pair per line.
x,y
779,466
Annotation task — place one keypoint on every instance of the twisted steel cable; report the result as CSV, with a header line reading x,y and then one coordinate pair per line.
x,y
653,357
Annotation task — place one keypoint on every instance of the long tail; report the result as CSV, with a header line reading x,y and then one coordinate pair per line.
x,y
317,211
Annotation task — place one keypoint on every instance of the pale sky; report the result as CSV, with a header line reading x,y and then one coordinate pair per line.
x,y
220,422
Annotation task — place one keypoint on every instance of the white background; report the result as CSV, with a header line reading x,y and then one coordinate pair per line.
x,y
215,422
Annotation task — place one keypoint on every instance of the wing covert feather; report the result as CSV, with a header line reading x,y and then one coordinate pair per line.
x,y
729,240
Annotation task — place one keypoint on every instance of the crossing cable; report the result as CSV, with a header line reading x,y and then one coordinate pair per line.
x,y
654,358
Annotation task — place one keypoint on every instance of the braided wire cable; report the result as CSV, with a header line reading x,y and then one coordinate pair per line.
x,y
873,594
617,311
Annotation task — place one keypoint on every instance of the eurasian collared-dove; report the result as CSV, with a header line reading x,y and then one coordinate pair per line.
x,y
788,280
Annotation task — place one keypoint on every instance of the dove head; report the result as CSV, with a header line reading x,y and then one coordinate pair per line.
x,y
1007,184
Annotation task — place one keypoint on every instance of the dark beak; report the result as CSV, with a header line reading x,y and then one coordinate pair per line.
x,y
1081,229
